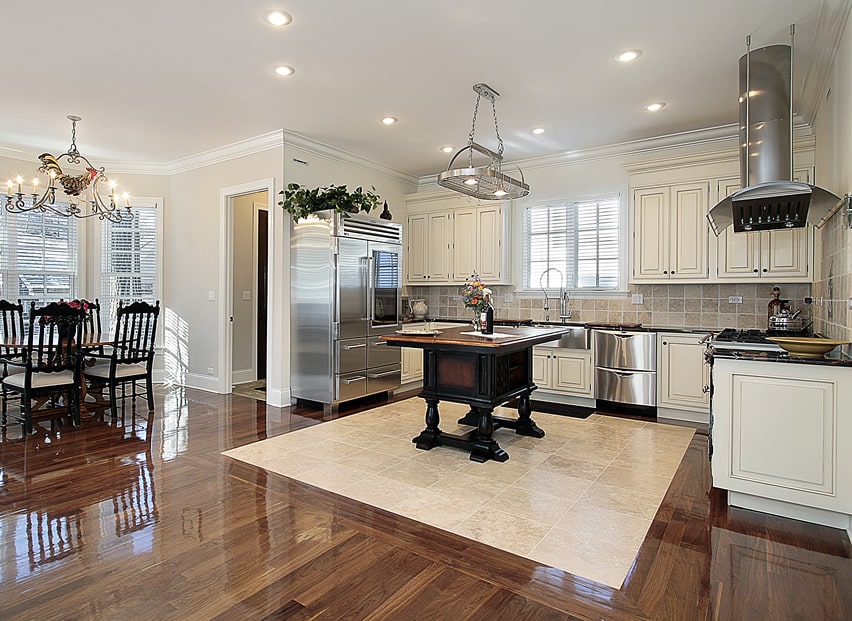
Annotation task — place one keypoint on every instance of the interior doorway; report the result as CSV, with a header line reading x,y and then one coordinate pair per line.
x,y
249,261
244,284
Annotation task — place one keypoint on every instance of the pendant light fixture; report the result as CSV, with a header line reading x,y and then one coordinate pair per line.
x,y
484,182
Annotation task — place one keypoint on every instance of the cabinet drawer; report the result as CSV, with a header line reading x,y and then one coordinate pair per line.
x,y
634,387
350,386
379,353
351,355
384,378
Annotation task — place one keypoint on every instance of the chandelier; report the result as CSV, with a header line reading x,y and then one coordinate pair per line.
x,y
84,186
484,182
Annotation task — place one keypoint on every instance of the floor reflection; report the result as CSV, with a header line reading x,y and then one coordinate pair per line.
x,y
59,490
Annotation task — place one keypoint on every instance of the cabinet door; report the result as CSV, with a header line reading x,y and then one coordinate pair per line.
x,y
683,373
541,367
688,231
489,235
416,263
785,252
572,372
465,245
439,255
650,241
412,364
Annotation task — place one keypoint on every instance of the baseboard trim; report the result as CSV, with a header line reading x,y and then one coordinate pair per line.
x,y
278,397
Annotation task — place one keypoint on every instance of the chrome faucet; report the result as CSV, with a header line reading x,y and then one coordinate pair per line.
x,y
564,313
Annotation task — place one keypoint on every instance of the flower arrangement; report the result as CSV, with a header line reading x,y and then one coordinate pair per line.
x,y
475,294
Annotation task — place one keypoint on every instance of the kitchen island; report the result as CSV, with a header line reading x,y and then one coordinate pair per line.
x,y
482,372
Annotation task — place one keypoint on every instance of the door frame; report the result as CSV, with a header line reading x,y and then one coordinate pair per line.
x,y
226,238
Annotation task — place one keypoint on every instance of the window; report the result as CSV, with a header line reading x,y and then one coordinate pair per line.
x,y
38,257
129,261
579,240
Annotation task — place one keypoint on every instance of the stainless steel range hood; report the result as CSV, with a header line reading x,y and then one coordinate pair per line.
x,y
770,198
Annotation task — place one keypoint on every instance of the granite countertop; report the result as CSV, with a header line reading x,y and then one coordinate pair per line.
x,y
834,358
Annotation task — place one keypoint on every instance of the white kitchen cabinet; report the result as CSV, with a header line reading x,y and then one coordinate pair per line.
x,y
428,249
563,371
412,365
784,255
780,438
683,376
475,235
670,233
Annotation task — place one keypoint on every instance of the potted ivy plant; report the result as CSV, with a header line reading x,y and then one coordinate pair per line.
x,y
300,202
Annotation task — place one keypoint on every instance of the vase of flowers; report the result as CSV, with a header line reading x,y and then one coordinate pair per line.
x,y
477,297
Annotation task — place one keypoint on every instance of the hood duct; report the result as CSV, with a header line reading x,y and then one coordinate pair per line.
x,y
770,198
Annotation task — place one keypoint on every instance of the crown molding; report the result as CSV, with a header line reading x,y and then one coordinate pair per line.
x,y
337,154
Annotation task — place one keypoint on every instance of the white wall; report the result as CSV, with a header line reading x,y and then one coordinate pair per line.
x,y
193,263
833,128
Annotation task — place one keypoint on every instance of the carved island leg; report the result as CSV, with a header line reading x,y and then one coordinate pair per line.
x,y
526,426
431,436
484,446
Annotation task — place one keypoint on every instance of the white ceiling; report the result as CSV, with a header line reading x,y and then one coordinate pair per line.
x,y
160,80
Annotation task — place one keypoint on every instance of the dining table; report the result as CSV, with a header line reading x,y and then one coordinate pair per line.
x,y
482,371
90,342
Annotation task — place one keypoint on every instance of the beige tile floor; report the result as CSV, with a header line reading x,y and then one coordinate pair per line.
x,y
580,499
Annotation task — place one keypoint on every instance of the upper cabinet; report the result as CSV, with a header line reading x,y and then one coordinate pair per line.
x,y
784,255
427,258
450,238
670,232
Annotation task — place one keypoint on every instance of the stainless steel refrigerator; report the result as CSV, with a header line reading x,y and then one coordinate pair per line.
x,y
345,291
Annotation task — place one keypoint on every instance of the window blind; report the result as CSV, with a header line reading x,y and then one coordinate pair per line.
x,y
129,262
38,257
579,239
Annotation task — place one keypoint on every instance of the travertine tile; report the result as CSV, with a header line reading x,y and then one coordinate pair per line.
x,y
579,499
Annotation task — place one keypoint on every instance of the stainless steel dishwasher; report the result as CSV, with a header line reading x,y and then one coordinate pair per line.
x,y
626,367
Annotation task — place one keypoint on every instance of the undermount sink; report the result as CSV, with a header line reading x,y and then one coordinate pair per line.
x,y
577,337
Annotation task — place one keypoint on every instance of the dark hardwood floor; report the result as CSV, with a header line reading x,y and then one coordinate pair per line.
x,y
138,520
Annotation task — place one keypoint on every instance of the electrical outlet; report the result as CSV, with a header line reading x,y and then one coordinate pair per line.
x,y
850,303
637,298
456,298
735,299
210,371
508,298
211,296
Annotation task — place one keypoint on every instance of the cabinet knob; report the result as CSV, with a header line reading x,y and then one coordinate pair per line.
x,y
705,389
665,342
765,270
755,270
673,271
665,271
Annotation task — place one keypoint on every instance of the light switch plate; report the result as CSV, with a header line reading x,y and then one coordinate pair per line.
x,y
637,298
246,296
211,296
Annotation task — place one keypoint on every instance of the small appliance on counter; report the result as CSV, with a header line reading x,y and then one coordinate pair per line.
x,y
782,319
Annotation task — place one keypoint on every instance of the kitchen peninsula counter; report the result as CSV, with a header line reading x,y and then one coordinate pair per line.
x,y
482,372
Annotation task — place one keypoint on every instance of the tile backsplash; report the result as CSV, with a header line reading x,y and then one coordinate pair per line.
x,y
688,306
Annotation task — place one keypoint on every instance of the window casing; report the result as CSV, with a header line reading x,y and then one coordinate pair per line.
x,y
128,260
581,240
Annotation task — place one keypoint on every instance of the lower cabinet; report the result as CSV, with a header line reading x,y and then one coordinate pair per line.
x,y
780,437
563,371
683,376
412,365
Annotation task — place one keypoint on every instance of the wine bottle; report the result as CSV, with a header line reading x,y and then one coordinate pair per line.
x,y
489,321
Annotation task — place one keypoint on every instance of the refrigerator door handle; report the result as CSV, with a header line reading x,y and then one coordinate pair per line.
x,y
348,347
371,288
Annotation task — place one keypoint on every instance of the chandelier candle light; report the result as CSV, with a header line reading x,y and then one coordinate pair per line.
x,y
477,297
74,184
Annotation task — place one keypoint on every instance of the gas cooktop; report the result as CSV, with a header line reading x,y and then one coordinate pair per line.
x,y
754,340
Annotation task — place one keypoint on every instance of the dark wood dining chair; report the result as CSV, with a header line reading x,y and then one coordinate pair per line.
x,y
92,323
132,356
49,364
12,334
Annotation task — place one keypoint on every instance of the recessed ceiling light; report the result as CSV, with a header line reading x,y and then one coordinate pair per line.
x,y
628,56
284,70
447,148
538,130
657,105
389,120
279,18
